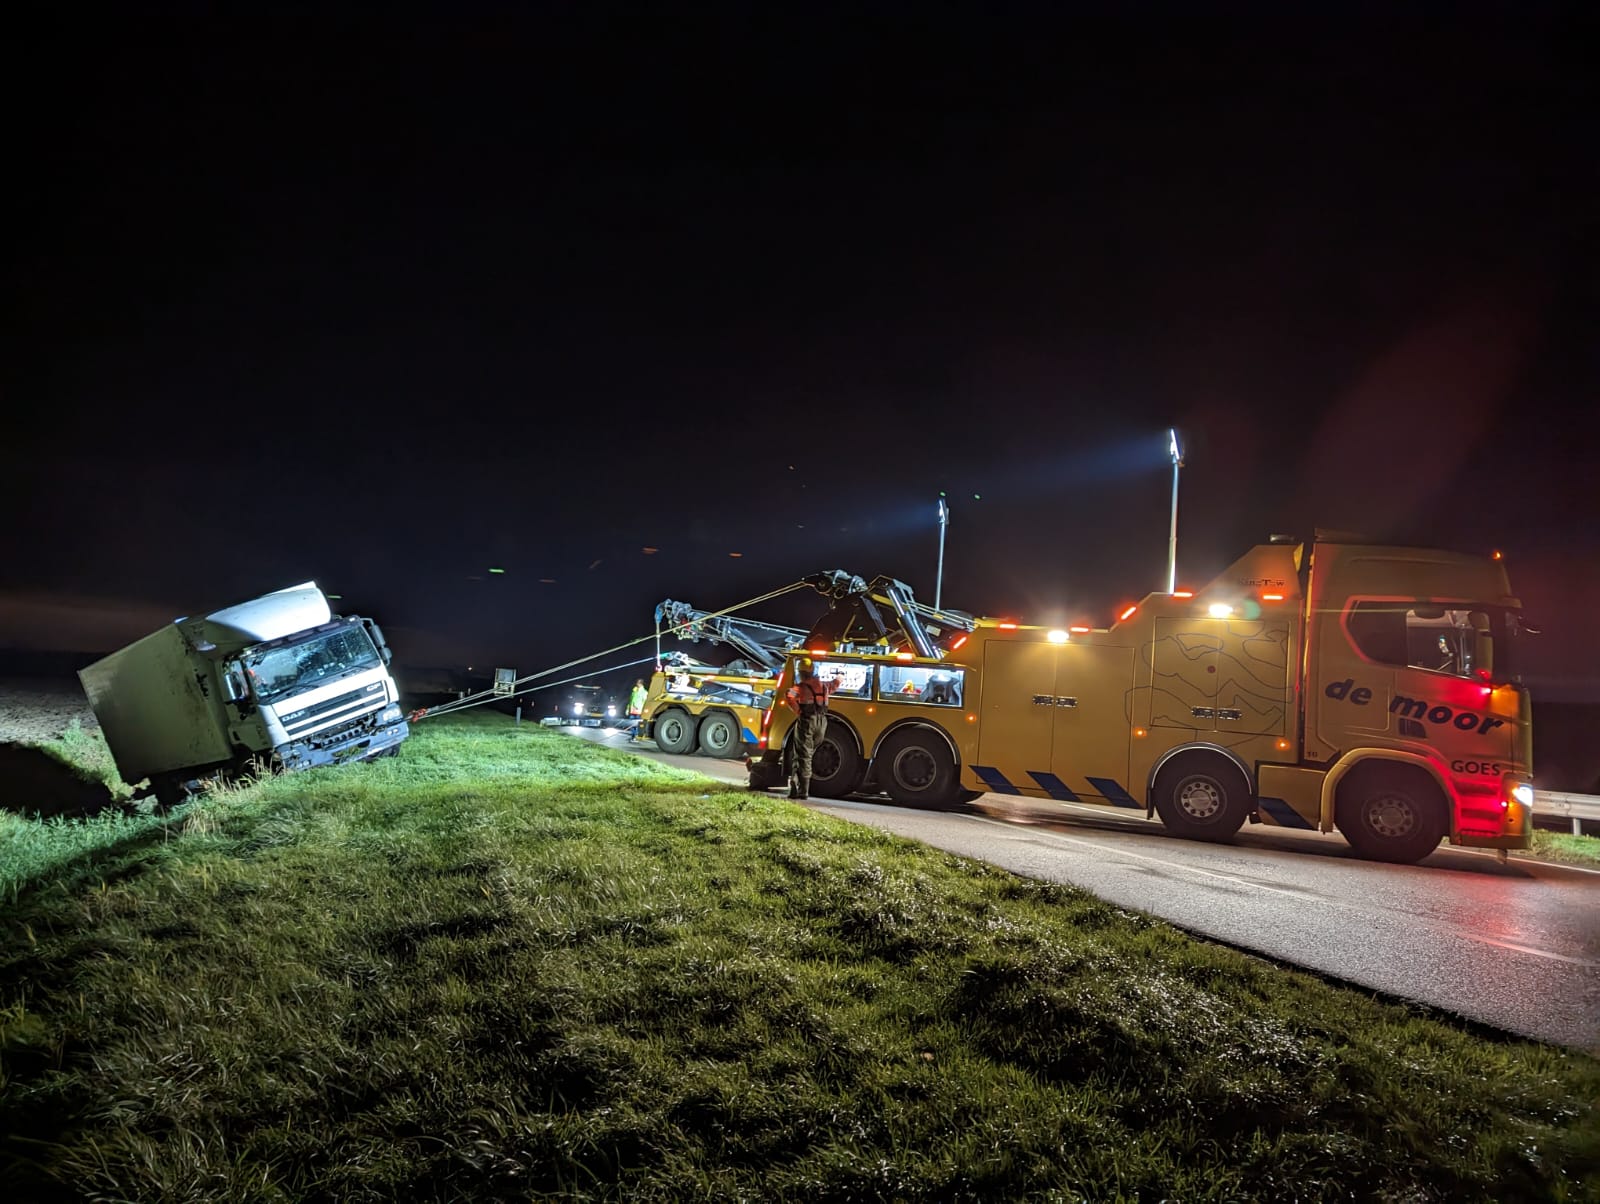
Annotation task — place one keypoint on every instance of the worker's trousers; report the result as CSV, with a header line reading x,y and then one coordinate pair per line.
x,y
808,733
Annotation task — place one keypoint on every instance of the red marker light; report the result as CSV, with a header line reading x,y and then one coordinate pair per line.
x,y
957,643
1272,597
1127,614
1007,626
1078,630
904,656
1183,593
819,652
1497,554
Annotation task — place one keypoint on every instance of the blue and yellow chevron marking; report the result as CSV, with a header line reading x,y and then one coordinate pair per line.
x,y
1277,811
1113,791
1057,789
994,779
1053,786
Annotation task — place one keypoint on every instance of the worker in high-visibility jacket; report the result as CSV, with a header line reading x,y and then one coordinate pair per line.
x,y
636,699
809,698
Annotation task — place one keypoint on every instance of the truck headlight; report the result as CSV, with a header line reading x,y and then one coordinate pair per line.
x,y
1523,793
577,708
390,714
611,712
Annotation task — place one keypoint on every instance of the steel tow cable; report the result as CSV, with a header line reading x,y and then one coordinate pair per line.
x,y
482,696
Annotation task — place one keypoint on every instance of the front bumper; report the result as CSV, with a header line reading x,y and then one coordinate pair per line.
x,y
360,742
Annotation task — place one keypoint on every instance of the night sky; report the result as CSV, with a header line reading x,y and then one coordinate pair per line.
x,y
385,303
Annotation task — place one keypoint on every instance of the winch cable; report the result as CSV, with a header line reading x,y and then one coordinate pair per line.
x,y
489,695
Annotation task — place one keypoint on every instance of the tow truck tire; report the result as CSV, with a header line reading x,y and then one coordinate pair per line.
x,y
675,731
1202,796
1391,813
719,735
916,768
835,764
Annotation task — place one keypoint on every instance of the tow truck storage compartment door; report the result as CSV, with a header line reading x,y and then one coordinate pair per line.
x,y
1090,752
1018,713
1183,681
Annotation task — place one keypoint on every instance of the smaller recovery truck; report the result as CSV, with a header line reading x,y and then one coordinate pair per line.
x,y
717,710
278,682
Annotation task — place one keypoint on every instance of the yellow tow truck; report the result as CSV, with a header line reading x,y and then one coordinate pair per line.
x,y
690,706
1330,684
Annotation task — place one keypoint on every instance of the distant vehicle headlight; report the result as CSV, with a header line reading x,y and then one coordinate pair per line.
x,y
577,708
611,712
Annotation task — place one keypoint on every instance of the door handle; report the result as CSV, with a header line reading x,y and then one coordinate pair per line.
x,y
1066,702
1203,712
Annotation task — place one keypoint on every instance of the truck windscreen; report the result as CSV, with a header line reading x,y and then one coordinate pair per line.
x,y
276,672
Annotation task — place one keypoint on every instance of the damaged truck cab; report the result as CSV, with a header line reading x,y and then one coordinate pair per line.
x,y
279,682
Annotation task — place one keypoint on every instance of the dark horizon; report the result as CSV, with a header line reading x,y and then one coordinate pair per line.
x,y
387,306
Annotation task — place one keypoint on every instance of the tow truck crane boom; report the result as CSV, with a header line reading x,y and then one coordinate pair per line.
x,y
763,645
860,612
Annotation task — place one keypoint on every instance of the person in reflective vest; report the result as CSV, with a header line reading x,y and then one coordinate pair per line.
x,y
636,699
809,698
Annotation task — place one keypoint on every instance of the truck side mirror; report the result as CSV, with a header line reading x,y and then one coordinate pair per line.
x,y
376,635
233,685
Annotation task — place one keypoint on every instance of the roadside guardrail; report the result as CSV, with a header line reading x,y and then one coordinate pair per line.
x,y
1552,804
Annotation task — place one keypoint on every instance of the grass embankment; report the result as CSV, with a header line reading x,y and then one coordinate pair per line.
x,y
509,963
1564,846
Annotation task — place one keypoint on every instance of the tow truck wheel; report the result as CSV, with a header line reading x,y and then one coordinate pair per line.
x,y
1390,813
719,735
916,767
1202,797
675,731
835,763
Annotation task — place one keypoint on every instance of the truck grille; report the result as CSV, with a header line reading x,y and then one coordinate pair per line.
x,y
340,708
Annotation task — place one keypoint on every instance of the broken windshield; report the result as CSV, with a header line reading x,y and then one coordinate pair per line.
x,y
279,671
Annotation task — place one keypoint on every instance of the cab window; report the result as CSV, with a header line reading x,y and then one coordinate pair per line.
x,y
1416,635
932,685
855,681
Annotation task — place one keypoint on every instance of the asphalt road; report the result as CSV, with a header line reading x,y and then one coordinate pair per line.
x,y
1515,946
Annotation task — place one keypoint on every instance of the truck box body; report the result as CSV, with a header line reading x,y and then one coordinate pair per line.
x,y
156,712
279,680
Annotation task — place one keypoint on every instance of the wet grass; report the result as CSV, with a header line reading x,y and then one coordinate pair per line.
x,y
509,964
1565,847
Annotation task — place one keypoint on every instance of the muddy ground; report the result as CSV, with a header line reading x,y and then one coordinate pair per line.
x,y
35,709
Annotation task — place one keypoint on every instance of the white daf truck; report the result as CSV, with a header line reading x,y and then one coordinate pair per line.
x,y
279,681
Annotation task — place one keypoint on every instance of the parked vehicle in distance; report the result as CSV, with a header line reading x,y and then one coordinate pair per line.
x,y
590,706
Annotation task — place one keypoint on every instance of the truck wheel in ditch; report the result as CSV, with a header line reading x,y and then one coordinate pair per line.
x,y
1391,813
1202,797
675,731
835,763
719,735
170,791
916,767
